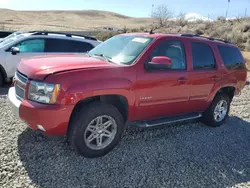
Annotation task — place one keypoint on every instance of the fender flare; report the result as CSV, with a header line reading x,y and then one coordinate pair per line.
x,y
215,91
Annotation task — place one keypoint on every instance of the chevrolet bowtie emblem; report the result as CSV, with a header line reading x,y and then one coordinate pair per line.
x,y
14,80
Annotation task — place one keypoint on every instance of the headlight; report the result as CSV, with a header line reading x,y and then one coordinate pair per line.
x,y
43,92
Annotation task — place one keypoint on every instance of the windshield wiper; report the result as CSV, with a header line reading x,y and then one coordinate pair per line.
x,y
109,59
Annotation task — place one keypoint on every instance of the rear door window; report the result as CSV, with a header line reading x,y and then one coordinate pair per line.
x,y
203,56
65,46
232,57
83,46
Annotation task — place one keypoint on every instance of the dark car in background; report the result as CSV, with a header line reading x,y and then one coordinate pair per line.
x,y
4,34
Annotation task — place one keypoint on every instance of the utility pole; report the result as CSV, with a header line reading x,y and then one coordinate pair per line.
x,y
227,7
246,12
152,10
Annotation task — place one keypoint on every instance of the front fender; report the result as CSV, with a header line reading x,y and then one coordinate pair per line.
x,y
86,89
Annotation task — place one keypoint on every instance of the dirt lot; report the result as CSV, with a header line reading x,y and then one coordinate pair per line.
x,y
180,155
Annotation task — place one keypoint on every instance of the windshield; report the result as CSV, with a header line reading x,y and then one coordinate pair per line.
x,y
122,49
13,35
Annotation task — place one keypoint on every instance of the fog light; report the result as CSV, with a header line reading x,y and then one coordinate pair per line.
x,y
40,127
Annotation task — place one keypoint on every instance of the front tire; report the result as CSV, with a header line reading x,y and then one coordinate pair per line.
x,y
96,129
218,111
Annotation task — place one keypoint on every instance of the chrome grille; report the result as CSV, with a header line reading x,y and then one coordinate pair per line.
x,y
19,92
20,82
21,78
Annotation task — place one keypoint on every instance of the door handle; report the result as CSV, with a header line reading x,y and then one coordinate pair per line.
x,y
215,78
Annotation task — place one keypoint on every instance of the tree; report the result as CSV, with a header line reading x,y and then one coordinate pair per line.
x,y
162,14
181,21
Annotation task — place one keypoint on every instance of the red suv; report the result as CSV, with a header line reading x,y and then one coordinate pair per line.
x,y
145,79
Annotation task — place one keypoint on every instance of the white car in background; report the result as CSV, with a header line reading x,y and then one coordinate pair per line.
x,y
21,45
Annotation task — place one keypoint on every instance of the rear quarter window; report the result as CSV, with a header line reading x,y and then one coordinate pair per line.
x,y
231,57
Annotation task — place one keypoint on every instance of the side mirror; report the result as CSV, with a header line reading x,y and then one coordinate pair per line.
x,y
159,63
15,50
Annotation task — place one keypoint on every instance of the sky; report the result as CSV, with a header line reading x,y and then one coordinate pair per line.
x,y
136,8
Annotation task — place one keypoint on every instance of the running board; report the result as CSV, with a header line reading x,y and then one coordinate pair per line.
x,y
168,120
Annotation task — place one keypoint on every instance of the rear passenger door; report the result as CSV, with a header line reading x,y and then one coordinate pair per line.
x,y
203,76
66,46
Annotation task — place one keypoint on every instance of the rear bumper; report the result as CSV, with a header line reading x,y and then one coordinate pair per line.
x,y
51,119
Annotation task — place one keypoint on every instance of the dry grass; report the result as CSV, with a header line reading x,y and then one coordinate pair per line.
x,y
67,20
247,57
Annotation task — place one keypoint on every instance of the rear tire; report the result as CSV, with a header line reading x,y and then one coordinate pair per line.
x,y
87,133
218,111
1,79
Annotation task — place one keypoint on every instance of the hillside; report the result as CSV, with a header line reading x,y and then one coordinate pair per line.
x,y
66,20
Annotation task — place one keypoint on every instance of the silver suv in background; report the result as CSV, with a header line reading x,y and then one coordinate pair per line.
x,y
21,45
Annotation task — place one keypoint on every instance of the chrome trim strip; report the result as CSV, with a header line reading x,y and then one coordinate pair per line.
x,y
18,75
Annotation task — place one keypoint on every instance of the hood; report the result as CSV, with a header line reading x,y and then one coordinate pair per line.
x,y
40,67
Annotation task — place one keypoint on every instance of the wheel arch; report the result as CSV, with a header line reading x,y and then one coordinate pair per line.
x,y
227,89
117,100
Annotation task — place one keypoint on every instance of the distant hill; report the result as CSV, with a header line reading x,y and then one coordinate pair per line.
x,y
67,20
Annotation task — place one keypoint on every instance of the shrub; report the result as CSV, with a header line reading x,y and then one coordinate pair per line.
x,y
208,25
244,37
134,30
142,28
244,27
222,19
104,35
198,32
2,27
125,29
248,44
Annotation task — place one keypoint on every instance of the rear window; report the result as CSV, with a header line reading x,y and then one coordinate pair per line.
x,y
232,57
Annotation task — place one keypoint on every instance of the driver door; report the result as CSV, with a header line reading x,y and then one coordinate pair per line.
x,y
164,92
27,48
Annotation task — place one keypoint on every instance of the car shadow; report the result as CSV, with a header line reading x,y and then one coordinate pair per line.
x,y
4,90
190,155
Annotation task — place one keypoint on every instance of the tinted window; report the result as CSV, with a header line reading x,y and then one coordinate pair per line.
x,y
231,56
33,45
84,47
175,51
62,46
203,57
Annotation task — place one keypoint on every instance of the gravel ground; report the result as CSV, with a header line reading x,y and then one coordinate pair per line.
x,y
182,155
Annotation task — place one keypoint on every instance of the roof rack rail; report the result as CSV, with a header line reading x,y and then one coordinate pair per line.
x,y
61,33
209,38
